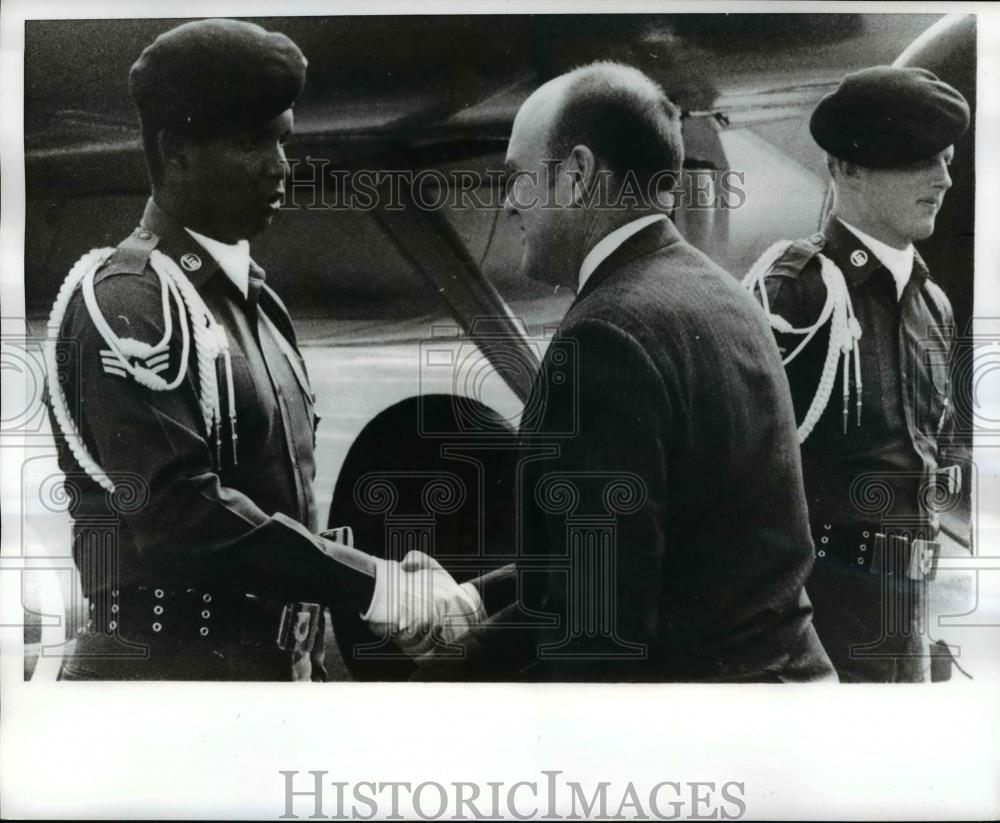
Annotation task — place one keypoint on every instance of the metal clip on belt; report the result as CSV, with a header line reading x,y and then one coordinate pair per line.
x,y
300,621
298,626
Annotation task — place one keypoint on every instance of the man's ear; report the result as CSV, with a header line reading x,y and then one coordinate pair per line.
x,y
842,168
582,166
173,147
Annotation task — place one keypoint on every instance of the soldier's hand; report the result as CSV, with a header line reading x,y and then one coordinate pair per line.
x,y
457,607
418,603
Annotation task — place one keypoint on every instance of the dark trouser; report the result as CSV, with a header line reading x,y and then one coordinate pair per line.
x,y
101,657
505,648
869,611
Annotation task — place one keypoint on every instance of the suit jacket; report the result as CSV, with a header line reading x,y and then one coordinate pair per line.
x,y
664,533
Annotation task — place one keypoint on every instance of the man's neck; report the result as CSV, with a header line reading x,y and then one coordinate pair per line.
x,y
607,222
871,225
608,242
178,209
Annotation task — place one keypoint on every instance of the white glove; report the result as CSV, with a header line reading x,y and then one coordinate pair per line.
x,y
417,603
456,613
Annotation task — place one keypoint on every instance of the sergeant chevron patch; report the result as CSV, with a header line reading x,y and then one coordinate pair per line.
x,y
155,363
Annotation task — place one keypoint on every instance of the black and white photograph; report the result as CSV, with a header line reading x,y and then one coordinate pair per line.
x,y
509,378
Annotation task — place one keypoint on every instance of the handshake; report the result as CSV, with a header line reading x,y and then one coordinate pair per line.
x,y
418,604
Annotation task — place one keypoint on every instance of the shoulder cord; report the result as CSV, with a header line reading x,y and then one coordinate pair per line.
x,y
845,331
210,341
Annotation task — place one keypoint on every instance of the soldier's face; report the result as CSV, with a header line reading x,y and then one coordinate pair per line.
x,y
904,202
234,184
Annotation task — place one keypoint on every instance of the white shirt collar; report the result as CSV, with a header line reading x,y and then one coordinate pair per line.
x,y
233,259
610,243
898,261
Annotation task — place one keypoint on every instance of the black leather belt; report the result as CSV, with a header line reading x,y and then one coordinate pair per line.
x,y
168,615
877,549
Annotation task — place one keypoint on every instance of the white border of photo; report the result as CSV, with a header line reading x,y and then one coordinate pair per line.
x,y
202,751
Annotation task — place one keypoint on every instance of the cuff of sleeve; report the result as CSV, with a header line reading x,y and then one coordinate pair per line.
x,y
472,593
378,609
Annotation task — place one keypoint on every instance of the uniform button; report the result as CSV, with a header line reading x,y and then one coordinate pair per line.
x,y
157,609
157,627
158,594
203,631
206,614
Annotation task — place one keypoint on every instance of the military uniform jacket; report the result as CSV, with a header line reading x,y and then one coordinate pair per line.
x,y
186,513
885,467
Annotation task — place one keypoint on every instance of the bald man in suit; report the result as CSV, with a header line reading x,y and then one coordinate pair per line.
x,y
663,530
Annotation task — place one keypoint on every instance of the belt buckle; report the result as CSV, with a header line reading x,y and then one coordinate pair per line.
x,y
298,625
890,555
923,560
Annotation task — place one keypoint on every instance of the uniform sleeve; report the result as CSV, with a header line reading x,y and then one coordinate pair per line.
x,y
797,296
614,468
798,299
185,520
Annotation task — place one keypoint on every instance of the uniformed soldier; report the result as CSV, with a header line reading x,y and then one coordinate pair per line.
x,y
184,415
865,335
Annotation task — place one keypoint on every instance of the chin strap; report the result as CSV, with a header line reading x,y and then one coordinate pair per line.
x,y
845,332
196,324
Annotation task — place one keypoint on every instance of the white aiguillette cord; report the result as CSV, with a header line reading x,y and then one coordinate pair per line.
x,y
210,341
209,337
845,332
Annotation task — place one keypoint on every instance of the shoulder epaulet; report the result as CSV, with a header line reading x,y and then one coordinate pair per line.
x,y
132,254
797,256
144,362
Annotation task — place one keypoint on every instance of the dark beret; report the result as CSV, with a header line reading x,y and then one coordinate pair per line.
x,y
216,76
885,117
